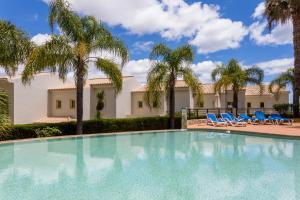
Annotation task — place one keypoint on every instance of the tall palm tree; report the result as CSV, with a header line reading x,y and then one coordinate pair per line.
x,y
284,79
235,77
283,11
14,47
167,66
81,38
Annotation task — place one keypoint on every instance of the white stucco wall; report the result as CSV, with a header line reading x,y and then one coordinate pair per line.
x,y
182,99
145,111
123,99
30,101
269,100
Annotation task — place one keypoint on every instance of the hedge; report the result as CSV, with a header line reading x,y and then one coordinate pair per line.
x,y
92,127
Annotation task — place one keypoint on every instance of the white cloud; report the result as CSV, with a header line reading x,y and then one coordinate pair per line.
x,y
279,35
203,70
259,10
40,38
139,47
140,68
172,19
276,66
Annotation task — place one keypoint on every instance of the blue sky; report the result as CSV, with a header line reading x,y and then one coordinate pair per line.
x,y
218,30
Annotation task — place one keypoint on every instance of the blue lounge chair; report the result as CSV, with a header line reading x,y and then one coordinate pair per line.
x,y
213,120
235,118
280,120
246,118
231,120
261,118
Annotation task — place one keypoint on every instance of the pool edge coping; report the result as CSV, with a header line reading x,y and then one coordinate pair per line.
x,y
41,139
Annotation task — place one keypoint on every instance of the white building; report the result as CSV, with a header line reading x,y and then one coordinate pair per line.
x,y
48,99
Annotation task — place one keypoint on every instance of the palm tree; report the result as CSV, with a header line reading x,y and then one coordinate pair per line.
x,y
14,47
283,11
284,79
81,38
235,77
4,121
167,66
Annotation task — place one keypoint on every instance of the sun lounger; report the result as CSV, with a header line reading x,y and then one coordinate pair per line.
x,y
231,120
261,118
280,120
246,118
213,120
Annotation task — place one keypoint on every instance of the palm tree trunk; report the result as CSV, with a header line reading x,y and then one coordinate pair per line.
x,y
235,100
296,37
172,102
79,98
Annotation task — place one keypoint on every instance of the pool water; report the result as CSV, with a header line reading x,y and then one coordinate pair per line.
x,y
168,165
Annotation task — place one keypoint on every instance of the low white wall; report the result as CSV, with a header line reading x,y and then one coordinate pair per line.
x,y
30,101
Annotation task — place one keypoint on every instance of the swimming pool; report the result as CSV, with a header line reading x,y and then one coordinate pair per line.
x,y
164,165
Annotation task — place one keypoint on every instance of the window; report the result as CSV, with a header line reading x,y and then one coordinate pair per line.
x,y
72,104
58,104
262,104
140,104
248,105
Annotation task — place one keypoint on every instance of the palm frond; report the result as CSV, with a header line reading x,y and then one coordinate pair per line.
x,y
192,81
113,45
255,75
68,21
160,51
54,54
112,71
282,81
157,81
278,11
184,54
217,72
14,47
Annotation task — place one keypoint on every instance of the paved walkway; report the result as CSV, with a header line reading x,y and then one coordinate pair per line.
x,y
285,130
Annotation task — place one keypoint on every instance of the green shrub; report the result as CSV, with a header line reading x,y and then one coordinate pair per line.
x,y
47,132
282,108
89,127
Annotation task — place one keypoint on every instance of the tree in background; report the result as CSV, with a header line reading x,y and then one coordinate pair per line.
x,y
14,47
78,45
100,103
284,11
167,66
233,76
282,81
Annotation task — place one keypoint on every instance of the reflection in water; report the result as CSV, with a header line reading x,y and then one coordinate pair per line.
x,y
182,165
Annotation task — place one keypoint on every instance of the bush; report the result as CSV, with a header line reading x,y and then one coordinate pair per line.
x,y
89,127
47,132
282,108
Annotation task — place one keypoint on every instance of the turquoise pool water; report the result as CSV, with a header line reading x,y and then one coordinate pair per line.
x,y
179,165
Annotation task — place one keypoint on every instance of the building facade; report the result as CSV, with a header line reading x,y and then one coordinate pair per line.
x,y
48,99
